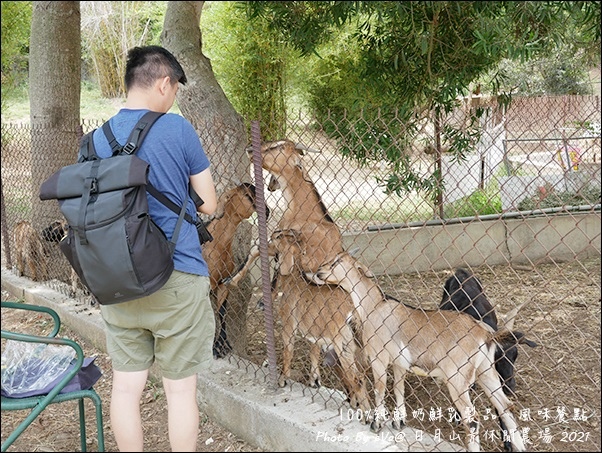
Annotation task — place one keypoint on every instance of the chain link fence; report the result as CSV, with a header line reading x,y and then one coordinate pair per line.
x,y
520,210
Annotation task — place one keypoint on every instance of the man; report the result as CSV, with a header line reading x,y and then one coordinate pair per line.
x,y
174,326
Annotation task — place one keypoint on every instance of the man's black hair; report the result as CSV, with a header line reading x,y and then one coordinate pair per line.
x,y
147,64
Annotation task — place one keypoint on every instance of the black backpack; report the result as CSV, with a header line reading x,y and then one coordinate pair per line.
x,y
112,243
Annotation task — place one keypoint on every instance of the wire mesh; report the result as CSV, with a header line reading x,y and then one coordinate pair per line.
x,y
520,211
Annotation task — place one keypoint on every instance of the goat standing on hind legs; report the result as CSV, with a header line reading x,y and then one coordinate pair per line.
x,y
444,344
235,205
305,211
324,316
307,310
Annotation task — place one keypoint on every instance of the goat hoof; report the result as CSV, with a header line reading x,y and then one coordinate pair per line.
x,y
217,354
397,424
376,426
221,350
315,383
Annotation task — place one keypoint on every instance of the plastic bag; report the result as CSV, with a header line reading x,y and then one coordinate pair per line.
x,y
29,368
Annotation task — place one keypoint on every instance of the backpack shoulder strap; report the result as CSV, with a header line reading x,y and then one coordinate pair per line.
x,y
86,148
167,202
115,146
136,136
139,132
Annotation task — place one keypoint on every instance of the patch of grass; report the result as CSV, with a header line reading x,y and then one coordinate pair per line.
x,y
93,106
549,198
389,211
16,107
480,202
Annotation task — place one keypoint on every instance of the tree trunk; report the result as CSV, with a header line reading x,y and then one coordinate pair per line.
x,y
54,94
222,131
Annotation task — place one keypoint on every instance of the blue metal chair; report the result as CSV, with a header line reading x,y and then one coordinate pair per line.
x,y
38,403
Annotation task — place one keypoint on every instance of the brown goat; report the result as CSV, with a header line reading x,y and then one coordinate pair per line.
x,y
55,232
308,218
324,316
305,212
235,205
444,344
30,251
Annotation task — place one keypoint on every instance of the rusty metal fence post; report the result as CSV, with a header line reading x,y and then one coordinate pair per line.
x,y
263,255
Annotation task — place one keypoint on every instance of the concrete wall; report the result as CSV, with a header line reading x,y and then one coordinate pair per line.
x,y
478,243
534,240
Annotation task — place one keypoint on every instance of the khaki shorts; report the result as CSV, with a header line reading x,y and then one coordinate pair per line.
x,y
174,326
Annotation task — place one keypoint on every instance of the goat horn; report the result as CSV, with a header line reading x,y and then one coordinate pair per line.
x,y
354,251
509,317
313,277
302,147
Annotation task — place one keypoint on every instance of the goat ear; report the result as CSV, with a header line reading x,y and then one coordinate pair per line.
x,y
273,184
508,318
313,277
299,164
522,339
291,233
270,145
287,261
364,270
302,149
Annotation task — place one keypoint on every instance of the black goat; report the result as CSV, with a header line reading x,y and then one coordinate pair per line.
x,y
463,292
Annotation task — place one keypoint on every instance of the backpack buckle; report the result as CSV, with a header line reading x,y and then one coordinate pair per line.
x,y
92,183
129,148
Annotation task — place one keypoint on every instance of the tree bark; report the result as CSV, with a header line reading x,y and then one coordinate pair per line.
x,y
202,101
54,93
222,131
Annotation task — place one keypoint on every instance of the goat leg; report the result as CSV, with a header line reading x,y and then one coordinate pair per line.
x,y
399,416
458,387
490,383
315,352
243,269
221,345
288,340
378,418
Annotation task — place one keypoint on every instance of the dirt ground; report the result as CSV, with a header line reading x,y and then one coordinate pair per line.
x,y
557,402
57,428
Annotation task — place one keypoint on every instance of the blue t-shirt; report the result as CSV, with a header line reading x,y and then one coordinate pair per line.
x,y
174,152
